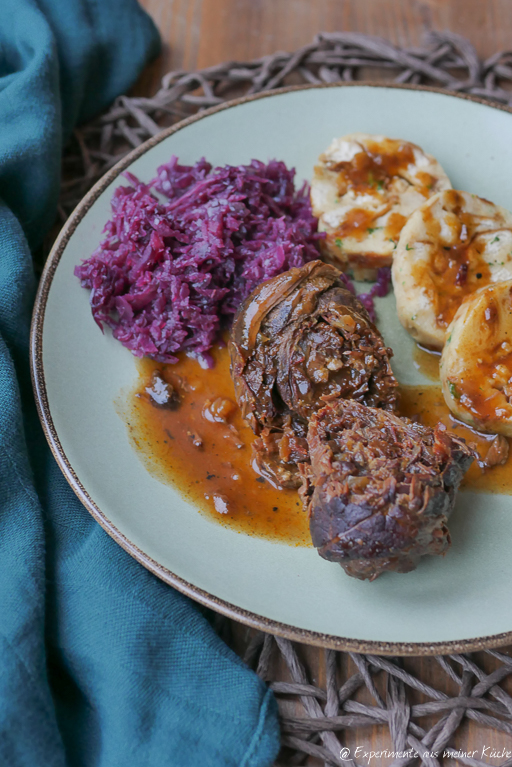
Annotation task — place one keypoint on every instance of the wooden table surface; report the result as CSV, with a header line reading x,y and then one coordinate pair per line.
x,y
200,33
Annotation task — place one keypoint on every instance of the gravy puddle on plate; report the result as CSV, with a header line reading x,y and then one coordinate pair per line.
x,y
217,476
210,464
427,402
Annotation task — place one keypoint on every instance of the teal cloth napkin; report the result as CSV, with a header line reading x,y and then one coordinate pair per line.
x,y
100,663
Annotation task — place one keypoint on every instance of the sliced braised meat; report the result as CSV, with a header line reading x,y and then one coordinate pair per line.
x,y
299,337
379,488
497,454
276,454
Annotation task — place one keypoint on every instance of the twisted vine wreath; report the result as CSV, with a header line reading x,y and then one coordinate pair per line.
x,y
328,711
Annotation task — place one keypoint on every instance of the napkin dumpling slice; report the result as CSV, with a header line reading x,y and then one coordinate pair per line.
x,y
476,363
364,188
453,245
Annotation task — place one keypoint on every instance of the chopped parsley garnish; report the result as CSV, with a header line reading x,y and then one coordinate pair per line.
x,y
372,229
372,181
496,239
408,247
453,390
338,242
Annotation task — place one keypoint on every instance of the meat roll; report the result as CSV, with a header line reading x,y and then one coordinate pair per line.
x,y
297,338
379,488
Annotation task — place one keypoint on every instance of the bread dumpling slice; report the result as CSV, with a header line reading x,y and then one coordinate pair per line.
x,y
476,363
450,247
364,188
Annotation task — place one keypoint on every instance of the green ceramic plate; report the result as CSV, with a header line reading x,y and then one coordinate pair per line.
x,y
461,601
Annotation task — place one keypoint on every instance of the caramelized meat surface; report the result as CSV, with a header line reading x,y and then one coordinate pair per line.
x,y
297,338
379,488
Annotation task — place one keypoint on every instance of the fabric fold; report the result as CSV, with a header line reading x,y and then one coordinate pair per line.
x,y
101,663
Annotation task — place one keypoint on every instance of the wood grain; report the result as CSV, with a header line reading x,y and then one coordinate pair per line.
x,y
199,33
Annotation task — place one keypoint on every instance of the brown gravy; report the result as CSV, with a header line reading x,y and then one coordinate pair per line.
x,y
486,393
454,271
356,223
369,172
427,362
217,477
204,460
371,169
427,402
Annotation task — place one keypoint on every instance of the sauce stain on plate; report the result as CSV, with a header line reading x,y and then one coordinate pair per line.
x,y
207,460
428,405
202,447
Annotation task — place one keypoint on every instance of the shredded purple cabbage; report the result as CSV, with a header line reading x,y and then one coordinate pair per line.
x,y
170,275
348,283
379,289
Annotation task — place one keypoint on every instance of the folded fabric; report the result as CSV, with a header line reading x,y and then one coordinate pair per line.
x,y
100,663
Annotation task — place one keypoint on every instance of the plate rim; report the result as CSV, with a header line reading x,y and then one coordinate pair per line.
x,y
260,622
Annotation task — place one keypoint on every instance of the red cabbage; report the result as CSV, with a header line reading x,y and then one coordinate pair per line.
x,y
169,276
379,289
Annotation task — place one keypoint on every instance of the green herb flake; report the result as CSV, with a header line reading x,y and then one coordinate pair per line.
x,y
380,185
408,247
453,390
496,239
372,229
339,242
449,338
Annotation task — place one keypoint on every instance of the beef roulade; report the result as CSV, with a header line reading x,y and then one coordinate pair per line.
x,y
297,338
379,488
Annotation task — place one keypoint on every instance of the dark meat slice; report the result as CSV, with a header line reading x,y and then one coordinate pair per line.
x,y
497,454
299,337
379,488
276,455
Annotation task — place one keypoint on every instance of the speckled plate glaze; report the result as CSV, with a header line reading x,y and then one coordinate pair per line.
x,y
460,602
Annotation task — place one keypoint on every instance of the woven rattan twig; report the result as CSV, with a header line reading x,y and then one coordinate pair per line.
x,y
448,61
339,714
330,711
